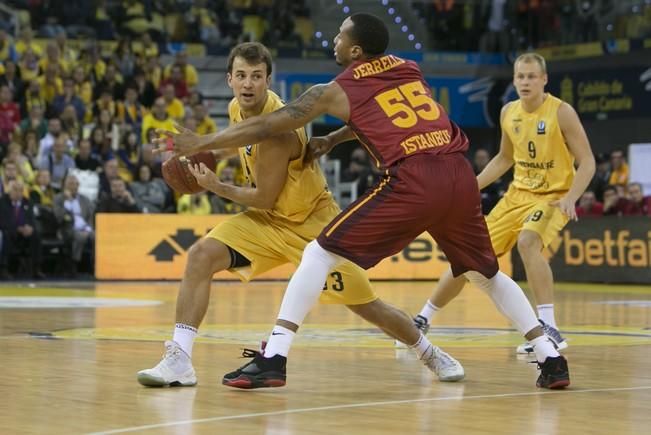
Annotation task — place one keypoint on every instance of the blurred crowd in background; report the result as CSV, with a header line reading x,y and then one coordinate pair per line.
x,y
213,22
505,25
458,25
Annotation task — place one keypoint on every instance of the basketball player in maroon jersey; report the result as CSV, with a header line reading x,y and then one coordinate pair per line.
x,y
428,185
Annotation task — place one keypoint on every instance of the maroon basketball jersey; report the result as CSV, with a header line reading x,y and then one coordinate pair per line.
x,y
392,111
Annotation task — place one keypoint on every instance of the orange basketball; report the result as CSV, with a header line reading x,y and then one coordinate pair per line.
x,y
178,176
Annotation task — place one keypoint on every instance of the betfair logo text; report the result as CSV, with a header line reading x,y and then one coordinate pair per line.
x,y
615,249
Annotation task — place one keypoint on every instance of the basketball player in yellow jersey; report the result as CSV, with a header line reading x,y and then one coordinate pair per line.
x,y
289,204
542,137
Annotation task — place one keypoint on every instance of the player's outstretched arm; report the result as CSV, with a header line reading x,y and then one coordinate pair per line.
x,y
579,146
313,103
502,161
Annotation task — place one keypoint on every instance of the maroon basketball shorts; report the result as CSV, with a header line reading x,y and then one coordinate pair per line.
x,y
433,193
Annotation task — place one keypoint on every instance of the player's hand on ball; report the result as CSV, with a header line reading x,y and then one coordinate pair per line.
x,y
206,178
184,142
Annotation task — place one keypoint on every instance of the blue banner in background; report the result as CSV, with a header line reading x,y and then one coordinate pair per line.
x,y
468,101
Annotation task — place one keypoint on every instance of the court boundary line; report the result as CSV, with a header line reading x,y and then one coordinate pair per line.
x,y
359,405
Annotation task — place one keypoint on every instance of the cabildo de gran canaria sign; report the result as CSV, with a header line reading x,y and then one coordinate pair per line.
x,y
606,93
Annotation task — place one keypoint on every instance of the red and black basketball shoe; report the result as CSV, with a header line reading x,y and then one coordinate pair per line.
x,y
553,373
260,372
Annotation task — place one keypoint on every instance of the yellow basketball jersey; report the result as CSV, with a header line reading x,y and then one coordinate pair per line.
x,y
305,189
543,162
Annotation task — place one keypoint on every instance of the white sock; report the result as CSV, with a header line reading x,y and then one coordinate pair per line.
x,y
428,311
303,290
543,348
422,346
509,299
546,314
279,342
184,336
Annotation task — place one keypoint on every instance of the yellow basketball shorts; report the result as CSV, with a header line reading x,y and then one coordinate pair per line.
x,y
521,210
269,243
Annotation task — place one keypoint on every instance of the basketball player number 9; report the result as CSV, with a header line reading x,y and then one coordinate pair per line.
x,y
418,105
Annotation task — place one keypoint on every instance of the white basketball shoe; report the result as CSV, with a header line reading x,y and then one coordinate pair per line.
x,y
174,370
446,368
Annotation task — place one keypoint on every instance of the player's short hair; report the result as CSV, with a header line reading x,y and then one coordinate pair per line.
x,y
253,53
370,33
530,58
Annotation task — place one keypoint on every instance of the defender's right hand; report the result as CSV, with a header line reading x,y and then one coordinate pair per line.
x,y
316,147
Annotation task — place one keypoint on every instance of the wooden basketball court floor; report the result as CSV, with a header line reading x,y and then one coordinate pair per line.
x,y
70,354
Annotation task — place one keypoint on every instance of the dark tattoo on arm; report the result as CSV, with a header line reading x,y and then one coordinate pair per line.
x,y
305,103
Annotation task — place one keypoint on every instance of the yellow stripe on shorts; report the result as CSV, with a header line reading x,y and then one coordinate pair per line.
x,y
354,209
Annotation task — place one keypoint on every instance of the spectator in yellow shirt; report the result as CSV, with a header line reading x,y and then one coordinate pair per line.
x,y
129,110
105,102
41,192
147,48
28,66
157,118
15,154
50,83
618,168
174,106
68,54
84,90
94,66
9,172
53,56
26,42
190,72
205,124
